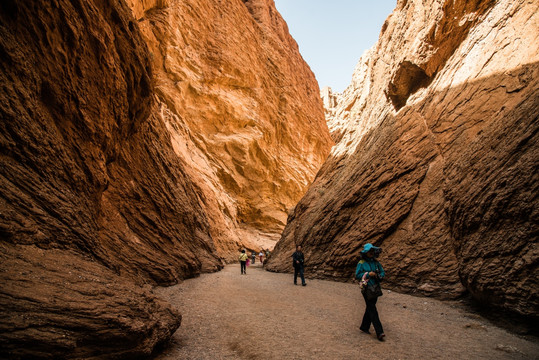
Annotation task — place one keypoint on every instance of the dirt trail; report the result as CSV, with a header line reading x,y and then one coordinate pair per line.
x,y
262,315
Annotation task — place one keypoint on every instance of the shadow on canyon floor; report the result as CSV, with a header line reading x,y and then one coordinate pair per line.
x,y
514,323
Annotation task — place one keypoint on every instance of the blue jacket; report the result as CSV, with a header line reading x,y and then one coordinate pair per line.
x,y
368,265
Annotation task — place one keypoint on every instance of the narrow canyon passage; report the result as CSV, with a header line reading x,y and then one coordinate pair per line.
x,y
262,315
144,143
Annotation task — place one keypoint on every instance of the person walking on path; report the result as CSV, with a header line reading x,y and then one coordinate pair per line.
x,y
253,256
371,272
243,262
298,261
261,256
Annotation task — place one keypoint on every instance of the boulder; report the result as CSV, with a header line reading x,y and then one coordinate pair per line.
x,y
57,304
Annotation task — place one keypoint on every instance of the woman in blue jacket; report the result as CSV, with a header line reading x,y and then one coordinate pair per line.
x,y
374,273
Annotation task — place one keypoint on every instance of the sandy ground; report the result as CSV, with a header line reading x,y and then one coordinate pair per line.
x,y
263,315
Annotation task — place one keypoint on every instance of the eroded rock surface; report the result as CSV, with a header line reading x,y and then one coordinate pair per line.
x,y
57,304
241,108
437,157
85,193
139,145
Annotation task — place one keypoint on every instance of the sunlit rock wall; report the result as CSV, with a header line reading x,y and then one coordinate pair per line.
x,y
437,157
241,107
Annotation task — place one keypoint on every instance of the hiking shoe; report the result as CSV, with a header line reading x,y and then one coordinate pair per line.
x,y
365,331
303,284
381,337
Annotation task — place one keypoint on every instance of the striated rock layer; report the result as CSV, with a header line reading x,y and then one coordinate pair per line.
x,y
57,304
133,142
437,157
90,194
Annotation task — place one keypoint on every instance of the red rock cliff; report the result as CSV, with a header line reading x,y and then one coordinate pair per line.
x,y
437,157
240,106
137,144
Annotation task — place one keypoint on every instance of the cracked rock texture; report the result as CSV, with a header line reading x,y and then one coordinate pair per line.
x,y
141,143
437,157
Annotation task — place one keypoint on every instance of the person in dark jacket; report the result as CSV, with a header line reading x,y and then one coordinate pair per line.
x,y
298,262
371,270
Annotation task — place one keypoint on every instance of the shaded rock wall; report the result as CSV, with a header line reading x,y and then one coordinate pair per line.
x,y
127,145
57,304
437,156
86,195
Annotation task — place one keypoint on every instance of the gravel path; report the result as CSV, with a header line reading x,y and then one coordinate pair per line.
x,y
262,315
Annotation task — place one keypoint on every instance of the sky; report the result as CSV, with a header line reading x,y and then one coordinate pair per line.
x,y
332,35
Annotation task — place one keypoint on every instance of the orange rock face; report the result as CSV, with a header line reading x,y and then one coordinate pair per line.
x,y
436,159
139,144
79,185
240,105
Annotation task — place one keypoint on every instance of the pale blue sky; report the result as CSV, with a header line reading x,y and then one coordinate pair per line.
x,y
333,34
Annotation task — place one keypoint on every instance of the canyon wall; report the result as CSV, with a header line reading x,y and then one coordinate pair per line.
x,y
134,138
437,158
241,106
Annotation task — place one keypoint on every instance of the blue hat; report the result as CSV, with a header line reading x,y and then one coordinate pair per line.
x,y
368,247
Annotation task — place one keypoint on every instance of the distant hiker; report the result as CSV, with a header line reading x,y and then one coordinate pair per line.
x,y
370,272
253,257
261,256
243,262
298,262
266,256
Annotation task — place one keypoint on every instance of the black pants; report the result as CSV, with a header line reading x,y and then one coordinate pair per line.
x,y
371,316
243,267
298,270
